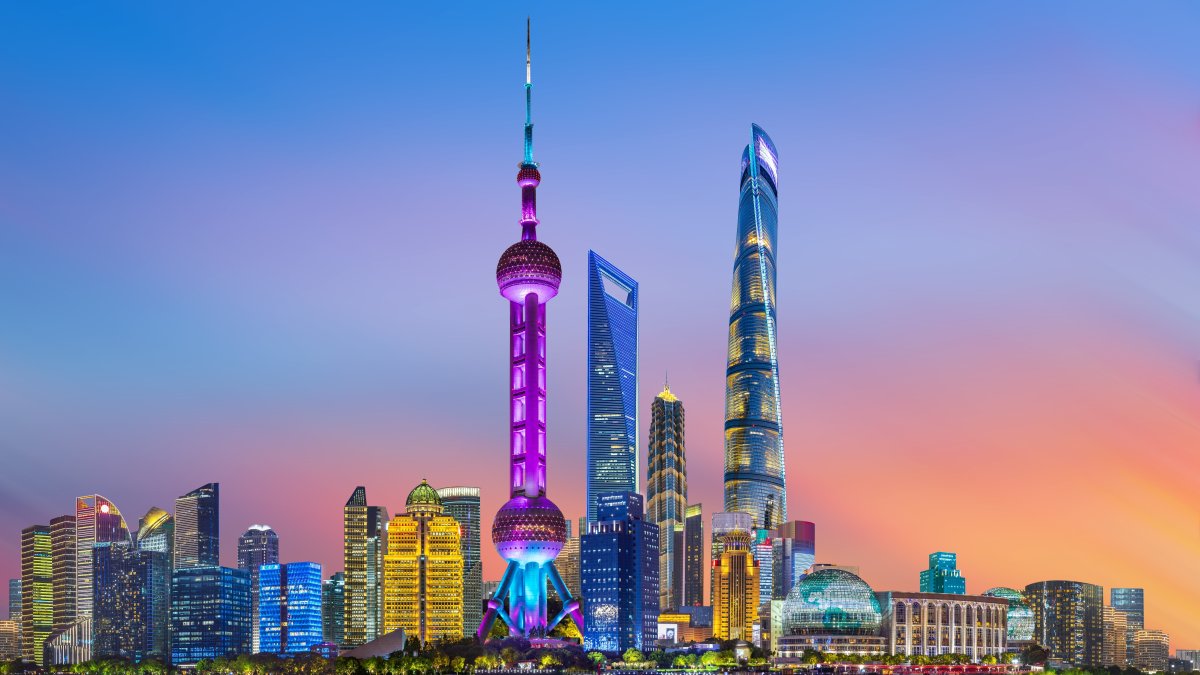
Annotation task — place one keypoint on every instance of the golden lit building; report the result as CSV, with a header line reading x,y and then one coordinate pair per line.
x,y
1151,650
364,543
1116,626
735,589
422,571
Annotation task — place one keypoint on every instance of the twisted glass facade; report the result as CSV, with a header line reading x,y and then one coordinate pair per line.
x,y
612,363
289,607
754,461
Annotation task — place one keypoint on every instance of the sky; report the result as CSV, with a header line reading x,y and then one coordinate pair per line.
x,y
255,243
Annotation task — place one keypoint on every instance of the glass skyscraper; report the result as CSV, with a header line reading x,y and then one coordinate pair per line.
x,y
210,614
793,551
289,608
97,521
258,546
754,460
462,504
37,592
130,609
333,607
1068,620
943,575
62,542
1132,602
619,576
198,528
666,494
612,377
364,544
694,563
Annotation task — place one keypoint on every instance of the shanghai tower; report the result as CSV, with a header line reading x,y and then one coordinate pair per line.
x,y
754,471
529,530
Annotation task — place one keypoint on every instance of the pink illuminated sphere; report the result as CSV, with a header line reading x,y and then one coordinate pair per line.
x,y
528,266
529,530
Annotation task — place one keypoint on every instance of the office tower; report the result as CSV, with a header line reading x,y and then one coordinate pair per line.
x,y
364,543
258,546
423,570
735,586
1068,619
529,530
568,561
694,562
130,612
210,614
10,640
198,528
793,551
289,607
619,575
333,607
943,575
14,599
37,591
1132,601
754,460
762,548
97,521
722,524
462,504
1116,626
1151,650
612,382
63,546
666,494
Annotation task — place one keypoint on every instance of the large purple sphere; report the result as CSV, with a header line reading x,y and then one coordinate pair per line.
x,y
529,530
528,266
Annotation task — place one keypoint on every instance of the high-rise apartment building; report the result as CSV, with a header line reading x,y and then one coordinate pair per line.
x,y
735,588
64,552
1152,648
131,611
14,599
612,382
793,551
1068,620
333,608
666,495
462,504
619,575
289,609
1131,601
97,521
258,546
37,591
722,524
10,640
1116,626
754,459
423,579
364,543
694,564
943,575
210,614
198,527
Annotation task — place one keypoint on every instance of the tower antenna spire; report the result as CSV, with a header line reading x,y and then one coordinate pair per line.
x,y
528,96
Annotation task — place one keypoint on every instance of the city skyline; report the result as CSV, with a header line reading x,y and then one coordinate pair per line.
x,y
1046,338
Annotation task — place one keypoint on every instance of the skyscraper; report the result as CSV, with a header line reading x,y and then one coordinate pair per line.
x,y
1116,626
130,614
568,560
736,588
333,608
63,545
943,575
210,614
666,494
97,521
14,599
529,530
258,546
462,504
1068,620
793,551
198,528
694,561
423,570
37,591
289,610
1131,601
619,576
364,543
612,382
754,460
722,524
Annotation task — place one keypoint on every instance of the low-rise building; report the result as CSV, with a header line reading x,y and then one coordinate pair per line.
x,y
932,624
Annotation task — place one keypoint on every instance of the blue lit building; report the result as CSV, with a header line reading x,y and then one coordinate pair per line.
x,y
130,607
289,608
754,460
619,576
612,382
210,614
943,575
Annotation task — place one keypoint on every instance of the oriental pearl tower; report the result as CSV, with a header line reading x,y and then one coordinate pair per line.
x,y
529,530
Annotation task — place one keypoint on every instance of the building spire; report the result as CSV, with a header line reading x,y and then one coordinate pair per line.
x,y
528,97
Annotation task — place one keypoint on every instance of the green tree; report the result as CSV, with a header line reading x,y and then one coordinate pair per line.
x,y
509,656
596,658
632,655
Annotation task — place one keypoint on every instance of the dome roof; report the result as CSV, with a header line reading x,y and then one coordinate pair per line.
x,y
1006,593
528,266
831,602
1020,614
423,498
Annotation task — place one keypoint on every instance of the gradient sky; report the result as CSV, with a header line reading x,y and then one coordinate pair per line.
x,y
255,243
